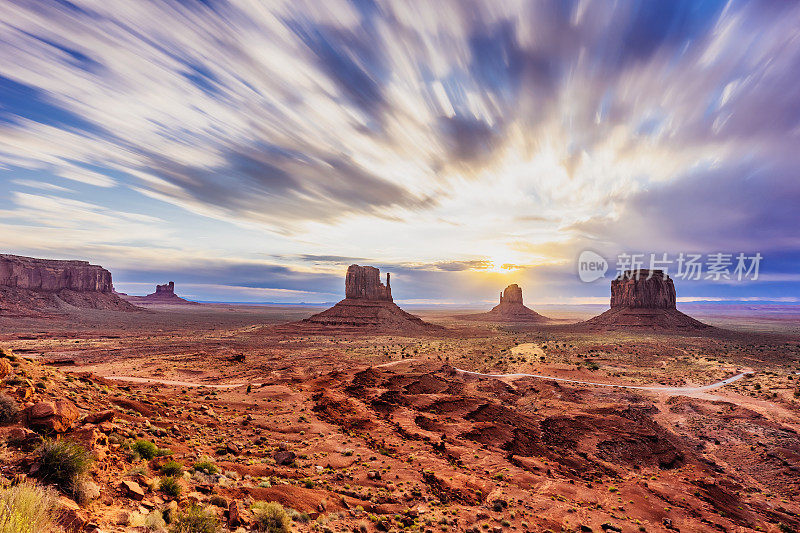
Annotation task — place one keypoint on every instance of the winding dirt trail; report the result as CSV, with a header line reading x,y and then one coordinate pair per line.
x,y
509,377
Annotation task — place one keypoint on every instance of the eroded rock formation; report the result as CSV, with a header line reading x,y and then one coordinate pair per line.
x,y
363,282
367,304
643,299
51,275
648,290
31,286
165,294
510,309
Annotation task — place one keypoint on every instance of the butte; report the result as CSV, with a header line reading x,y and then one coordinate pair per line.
x,y
368,304
643,300
165,294
510,309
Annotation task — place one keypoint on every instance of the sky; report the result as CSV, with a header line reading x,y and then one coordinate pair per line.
x,y
251,151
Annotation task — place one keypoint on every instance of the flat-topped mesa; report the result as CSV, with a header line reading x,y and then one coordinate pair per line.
x,y
363,282
168,289
643,289
35,287
512,294
51,275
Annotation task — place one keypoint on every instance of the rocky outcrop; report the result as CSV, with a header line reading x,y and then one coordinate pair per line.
x,y
165,294
368,304
32,287
643,289
54,417
168,289
363,283
510,309
645,300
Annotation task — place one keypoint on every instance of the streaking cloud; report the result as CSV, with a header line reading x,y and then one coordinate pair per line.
x,y
442,137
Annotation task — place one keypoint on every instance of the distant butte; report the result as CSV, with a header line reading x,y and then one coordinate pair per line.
x,y
165,294
32,287
368,304
646,300
510,309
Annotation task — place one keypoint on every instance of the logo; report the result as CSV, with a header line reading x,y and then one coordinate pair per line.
x,y
591,266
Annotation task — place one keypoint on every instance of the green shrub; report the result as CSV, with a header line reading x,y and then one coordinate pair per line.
x,y
172,468
170,486
271,517
206,466
145,449
195,520
9,410
28,508
63,462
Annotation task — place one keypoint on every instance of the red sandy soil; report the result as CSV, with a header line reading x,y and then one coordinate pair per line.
x,y
387,436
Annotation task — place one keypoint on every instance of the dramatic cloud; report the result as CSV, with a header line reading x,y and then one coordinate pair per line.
x,y
446,140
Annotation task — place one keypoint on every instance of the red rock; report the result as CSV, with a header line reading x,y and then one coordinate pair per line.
x,y
643,299
29,286
363,282
510,309
132,489
99,417
55,416
165,294
367,304
5,368
234,515
71,517
284,458
643,289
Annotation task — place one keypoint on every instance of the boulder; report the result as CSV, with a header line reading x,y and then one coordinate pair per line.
x,y
284,458
132,489
55,416
234,515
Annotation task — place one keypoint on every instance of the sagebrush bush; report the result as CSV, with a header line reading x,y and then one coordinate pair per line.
x,y
271,517
195,520
172,468
9,409
145,449
28,508
170,486
206,467
63,462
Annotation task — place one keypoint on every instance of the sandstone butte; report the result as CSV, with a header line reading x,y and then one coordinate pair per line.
x,y
367,304
643,299
30,286
510,309
165,294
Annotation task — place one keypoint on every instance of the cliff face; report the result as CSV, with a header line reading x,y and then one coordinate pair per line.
x,y
648,290
50,275
36,287
363,283
511,295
